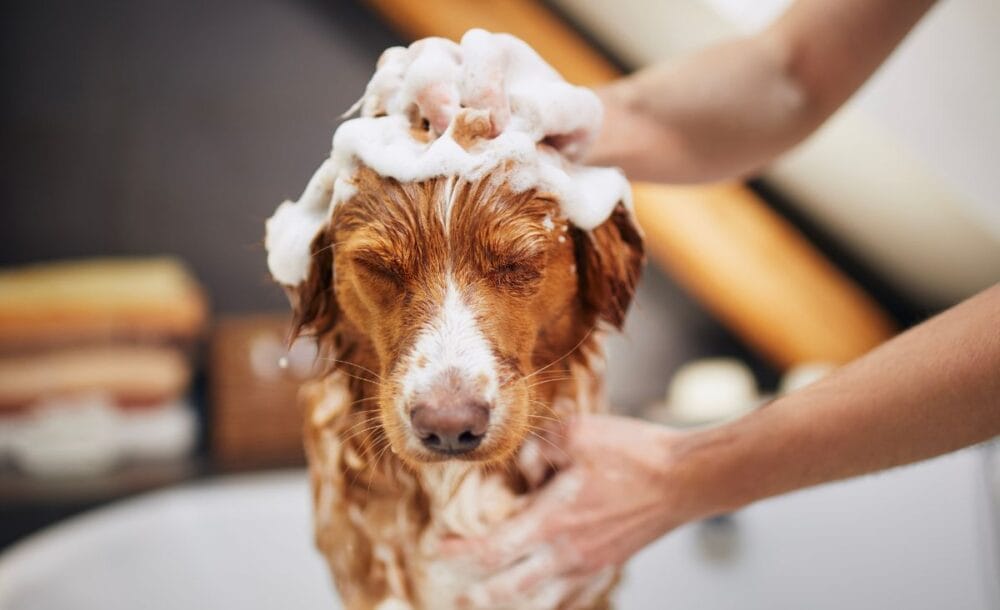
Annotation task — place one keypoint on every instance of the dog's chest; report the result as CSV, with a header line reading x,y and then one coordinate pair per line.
x,y
378,526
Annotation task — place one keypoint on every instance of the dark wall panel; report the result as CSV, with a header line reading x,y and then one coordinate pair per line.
x,y
174,126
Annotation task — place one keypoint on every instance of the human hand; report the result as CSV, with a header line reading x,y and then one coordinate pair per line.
x,y
612,495
647,145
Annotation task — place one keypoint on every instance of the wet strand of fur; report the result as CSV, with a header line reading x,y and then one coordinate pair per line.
x,y
564,356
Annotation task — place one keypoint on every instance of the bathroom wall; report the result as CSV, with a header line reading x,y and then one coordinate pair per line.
x,y
171,127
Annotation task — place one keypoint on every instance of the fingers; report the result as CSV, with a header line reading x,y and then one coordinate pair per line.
x,y
438,103
534,562
595,435
515,583
430,81
521,535
544,454
507,544
533,464
589,588
492,73
559,443
537,583
484,78
558,592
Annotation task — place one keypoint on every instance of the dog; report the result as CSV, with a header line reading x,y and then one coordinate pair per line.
x,y
459,317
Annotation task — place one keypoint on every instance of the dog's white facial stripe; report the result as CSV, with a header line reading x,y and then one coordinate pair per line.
x,y
451,341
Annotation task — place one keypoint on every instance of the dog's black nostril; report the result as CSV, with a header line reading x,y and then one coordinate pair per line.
x,y
467,440
451,429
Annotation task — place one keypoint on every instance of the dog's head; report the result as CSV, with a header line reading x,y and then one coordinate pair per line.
x,y
454,294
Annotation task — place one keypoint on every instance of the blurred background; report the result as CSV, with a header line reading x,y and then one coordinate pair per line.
x,y
149,130
145,143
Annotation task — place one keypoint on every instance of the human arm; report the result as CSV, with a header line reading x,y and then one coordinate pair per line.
x,y
931,390
729,109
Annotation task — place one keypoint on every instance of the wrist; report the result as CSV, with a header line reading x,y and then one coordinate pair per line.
x,y
707,472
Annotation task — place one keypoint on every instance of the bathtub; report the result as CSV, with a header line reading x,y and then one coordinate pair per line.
x,y
917,538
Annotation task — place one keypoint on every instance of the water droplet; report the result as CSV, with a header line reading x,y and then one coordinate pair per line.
x,y
283,362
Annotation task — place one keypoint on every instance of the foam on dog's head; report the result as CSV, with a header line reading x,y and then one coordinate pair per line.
x,y
440,108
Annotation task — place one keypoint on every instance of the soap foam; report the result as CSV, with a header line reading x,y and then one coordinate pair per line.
x,y
539,127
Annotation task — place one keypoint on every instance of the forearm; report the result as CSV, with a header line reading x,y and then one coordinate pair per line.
x,y
624,483
933,389
728,110
718,113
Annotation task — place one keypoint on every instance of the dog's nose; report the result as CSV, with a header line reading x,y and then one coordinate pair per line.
x,y
451,428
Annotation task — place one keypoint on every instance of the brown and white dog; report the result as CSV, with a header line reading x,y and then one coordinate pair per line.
x,y
458,318
437,257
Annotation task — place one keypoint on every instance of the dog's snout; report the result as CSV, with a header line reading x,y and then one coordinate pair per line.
x,y
450,428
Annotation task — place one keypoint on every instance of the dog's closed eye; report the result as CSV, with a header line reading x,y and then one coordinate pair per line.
x,y
516,275
380,268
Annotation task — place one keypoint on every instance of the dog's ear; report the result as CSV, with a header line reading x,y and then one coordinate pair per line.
x,y
609,261
314,303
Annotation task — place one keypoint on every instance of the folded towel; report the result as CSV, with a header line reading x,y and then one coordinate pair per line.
x,y
87,435
129,375
69,303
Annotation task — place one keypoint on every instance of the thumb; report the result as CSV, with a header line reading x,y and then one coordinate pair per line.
x,y
515,538
559,444
503,545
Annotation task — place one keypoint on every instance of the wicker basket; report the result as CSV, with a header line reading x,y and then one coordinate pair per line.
x,y
256,420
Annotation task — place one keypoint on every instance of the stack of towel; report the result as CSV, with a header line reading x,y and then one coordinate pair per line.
x,y
95,363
